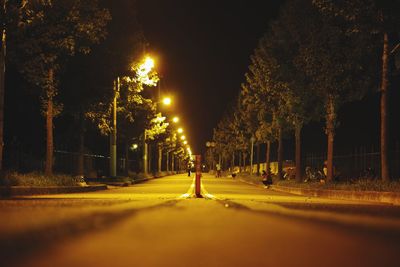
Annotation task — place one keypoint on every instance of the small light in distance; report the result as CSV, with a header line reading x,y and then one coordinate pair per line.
x,y
180,130
134,147
183,137
175,119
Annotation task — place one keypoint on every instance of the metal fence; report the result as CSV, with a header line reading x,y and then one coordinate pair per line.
x,y
66,162
359,163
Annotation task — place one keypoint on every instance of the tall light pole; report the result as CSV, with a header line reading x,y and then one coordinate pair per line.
x,y
142,72
166,101
113,136
210,145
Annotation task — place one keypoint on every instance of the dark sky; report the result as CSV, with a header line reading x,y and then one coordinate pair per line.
x,y
203,50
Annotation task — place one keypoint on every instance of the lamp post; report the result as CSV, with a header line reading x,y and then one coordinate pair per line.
x,y
113,136
142,77
210,145
166,101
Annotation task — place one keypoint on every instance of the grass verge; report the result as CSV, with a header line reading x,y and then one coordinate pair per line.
x,y
362,184
38,179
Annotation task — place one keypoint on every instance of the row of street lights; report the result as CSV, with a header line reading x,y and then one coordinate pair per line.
x,y
142,73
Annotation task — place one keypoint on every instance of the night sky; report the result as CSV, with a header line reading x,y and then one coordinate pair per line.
x,y
203,50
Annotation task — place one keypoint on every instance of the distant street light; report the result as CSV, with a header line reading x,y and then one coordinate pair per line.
x,y
167,102
180,130
175,119
210,145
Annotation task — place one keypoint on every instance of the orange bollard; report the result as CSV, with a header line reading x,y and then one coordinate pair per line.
x,y
198,176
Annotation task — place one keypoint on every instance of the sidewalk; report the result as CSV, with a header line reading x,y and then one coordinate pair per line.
x,y
10,191
93,184
370,196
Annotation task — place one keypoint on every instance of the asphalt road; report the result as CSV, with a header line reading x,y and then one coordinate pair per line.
x,y
157,223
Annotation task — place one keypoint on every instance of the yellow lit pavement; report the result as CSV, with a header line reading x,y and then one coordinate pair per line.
x,y
157,224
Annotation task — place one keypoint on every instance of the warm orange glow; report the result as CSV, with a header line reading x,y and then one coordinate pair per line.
x,y
180,130
183,137
167,101
175,119
148,64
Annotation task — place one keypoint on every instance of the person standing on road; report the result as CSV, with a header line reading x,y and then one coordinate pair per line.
x,y
218,167
189,169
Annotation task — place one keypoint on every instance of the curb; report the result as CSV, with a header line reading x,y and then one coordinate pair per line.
x,y
371,196
29,190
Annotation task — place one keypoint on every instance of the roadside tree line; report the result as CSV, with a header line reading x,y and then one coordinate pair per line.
x,y
41,38
316,56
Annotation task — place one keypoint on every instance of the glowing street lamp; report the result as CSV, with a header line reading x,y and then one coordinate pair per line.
x,y
146,66
167,101
175,119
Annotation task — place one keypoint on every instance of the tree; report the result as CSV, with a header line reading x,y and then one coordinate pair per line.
x,y
46,34
298,103
132,106
334,62
375,19
267,92
3,39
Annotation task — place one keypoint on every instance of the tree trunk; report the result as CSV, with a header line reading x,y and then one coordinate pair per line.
x,y
280,153
49,129
330,131
167,160
159,158
172,162
258,158
127,158
81,156
267,158
233,161
384,90
240,162
244,161
2,89
298,151
149,154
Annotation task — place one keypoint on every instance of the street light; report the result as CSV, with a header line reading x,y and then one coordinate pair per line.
x,y
210,145
167,101
180,130
142,74
175,119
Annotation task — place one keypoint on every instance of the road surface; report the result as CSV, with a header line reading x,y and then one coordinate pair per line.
x,y
157,223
